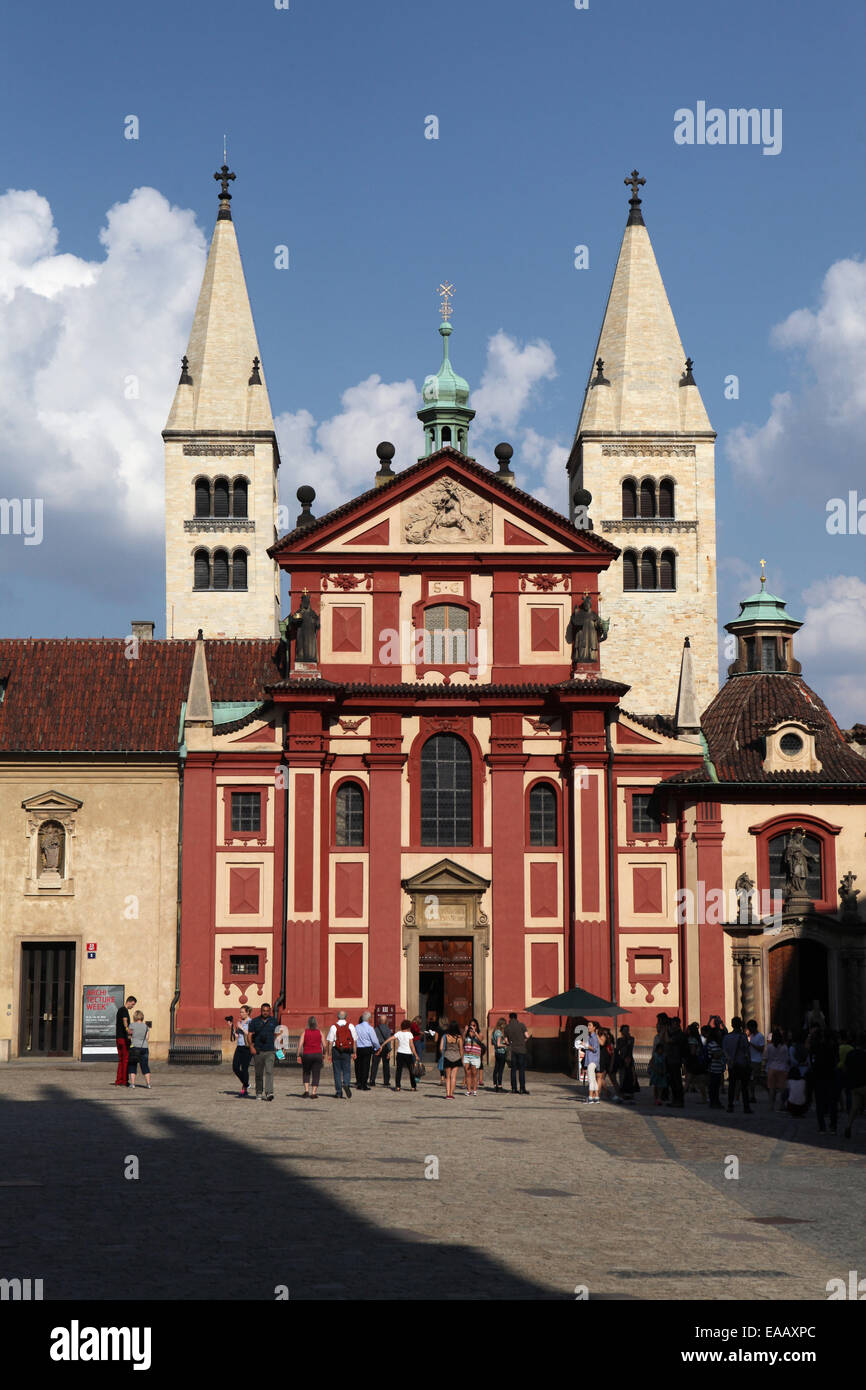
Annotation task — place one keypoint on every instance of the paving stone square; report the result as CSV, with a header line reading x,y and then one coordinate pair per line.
x,y
536,1196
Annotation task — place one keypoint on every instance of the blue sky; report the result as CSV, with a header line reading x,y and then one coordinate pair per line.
x,y
542,111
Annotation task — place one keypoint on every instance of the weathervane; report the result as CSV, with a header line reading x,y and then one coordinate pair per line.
x,y
446,291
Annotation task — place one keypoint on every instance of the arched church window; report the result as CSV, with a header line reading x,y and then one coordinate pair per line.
x,y
239,569
349,814
202,497
648,570
446,791
648,497
667,570
445,629
542,815
221,497
239,497
629,570
806,862
629,498
666,498
220,569
201,570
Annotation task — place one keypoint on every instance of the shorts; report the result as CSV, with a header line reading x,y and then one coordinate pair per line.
x,y
472,1061
452,1061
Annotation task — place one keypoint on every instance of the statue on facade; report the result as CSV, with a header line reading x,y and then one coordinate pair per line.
x,y
795,863
585,630
848,894
304,627
745,887
51,848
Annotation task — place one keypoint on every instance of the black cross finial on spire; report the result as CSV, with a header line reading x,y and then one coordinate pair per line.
x,y
634,179
634,182
225,177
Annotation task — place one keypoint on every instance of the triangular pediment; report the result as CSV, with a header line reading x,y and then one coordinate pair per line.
x,y
51,803
445,877
444,504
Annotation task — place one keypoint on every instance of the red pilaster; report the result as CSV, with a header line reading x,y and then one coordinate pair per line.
x,y
507,762
708,836
385,948
195,1009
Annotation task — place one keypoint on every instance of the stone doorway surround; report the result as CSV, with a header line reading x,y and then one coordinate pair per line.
x,y
445,900
846,966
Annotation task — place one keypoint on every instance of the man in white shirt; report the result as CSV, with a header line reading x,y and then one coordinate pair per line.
x,y
757,1043
342,1045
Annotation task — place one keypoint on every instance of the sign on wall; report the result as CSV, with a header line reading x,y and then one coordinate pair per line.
x,y
101,1003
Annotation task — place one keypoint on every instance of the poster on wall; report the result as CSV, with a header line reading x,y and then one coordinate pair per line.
x,y
101,1003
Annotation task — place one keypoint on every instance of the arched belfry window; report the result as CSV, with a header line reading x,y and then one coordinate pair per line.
x,y
349,814
239,497
201,570
666,498
446,791
220,569
202,497
446,434
542,815
629,498
629,570
647,497
648,570
667,570
239,569
221,497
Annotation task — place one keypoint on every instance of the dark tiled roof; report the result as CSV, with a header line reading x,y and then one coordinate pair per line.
x,y
659,723
508,490
740,715
420,690
86,695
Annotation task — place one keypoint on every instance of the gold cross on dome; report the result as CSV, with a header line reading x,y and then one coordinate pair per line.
x,y
763,576
446,291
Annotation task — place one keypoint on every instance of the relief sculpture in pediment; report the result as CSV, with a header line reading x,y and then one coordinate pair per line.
x,y
447,514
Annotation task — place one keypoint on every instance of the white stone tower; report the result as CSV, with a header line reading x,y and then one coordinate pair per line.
x,y
221,462
645,450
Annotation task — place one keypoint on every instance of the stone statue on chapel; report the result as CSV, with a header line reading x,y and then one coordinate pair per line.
x,y
303,627
848,894
795,863
585,630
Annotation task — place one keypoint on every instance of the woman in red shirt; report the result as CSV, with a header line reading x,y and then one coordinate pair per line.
x,y
310,1052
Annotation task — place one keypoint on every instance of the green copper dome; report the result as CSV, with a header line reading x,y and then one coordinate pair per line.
x,y
445,414
762,608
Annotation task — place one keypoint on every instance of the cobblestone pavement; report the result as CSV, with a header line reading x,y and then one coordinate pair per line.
x,y
535,1195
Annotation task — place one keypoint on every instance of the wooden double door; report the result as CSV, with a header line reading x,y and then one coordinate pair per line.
x,y
47,1013
445,977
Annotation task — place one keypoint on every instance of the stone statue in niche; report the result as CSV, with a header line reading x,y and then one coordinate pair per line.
x,y
447,513
585,630
795,862
51,845
304,627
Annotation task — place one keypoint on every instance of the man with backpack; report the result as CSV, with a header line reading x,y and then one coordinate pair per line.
x,y
676,1052
738,1057
342,1043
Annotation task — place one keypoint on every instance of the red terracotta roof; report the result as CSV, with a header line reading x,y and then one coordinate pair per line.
x,y
421,690
746,707
87,695
524,502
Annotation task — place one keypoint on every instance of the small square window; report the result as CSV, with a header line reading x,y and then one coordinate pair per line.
x,y
246,811
645,820
244,965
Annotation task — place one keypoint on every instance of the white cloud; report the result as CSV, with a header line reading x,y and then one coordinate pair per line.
x,y
509,381
88,365
832,642
812,439
338,455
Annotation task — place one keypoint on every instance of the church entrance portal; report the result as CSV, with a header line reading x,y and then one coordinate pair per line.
x,y
798,974
445,979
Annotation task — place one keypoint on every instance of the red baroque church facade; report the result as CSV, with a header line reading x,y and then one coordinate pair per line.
x,y
442,802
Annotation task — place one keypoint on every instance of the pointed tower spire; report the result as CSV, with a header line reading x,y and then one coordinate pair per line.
x,y
445,415
221,460
198,716
688,715
644,449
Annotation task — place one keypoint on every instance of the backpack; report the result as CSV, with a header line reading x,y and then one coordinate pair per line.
x,y
343,1040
